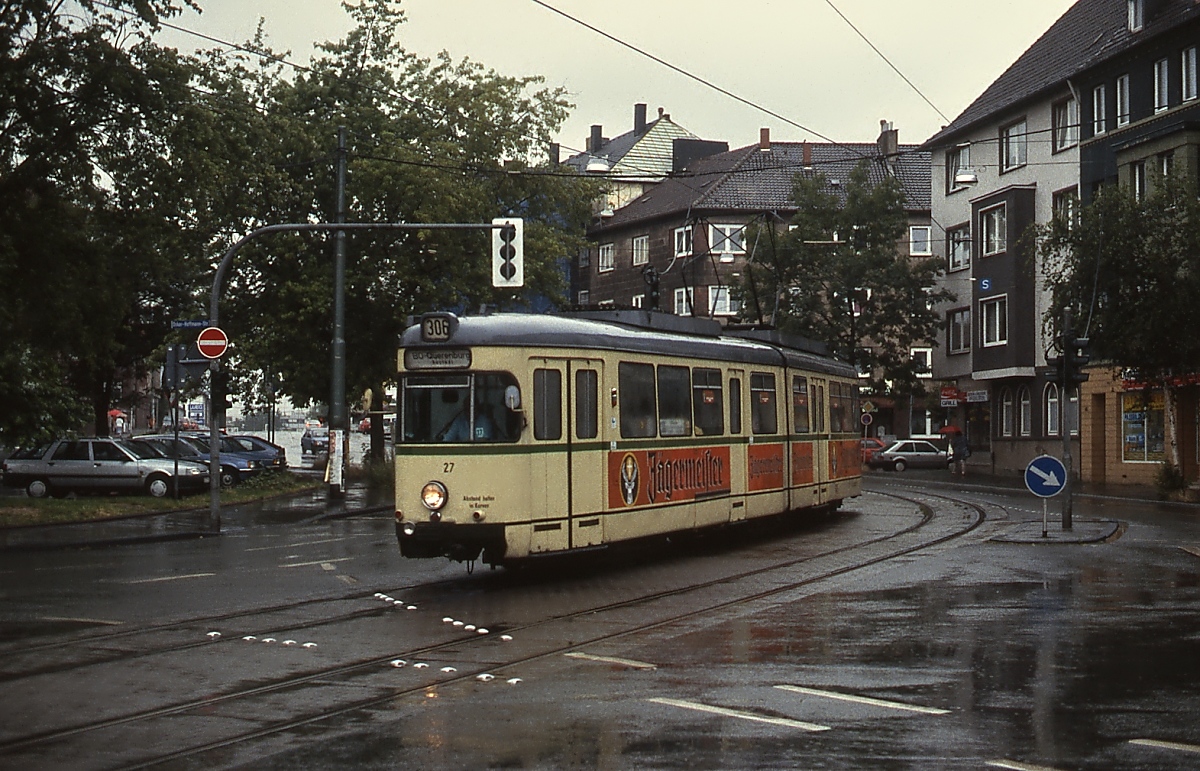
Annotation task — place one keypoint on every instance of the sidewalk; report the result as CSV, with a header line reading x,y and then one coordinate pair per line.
x,y
194,523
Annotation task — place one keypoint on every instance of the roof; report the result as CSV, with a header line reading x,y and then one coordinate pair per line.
x,y
646,153
1090,32
753,180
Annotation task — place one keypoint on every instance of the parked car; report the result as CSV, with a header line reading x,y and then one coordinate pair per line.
x,y
235,467
315,441
99,465
915,453
272,456
871,444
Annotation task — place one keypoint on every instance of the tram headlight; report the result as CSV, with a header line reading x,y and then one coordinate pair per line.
x,y
434,496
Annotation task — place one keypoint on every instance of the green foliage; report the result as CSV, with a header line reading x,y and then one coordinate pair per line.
x,y
840,275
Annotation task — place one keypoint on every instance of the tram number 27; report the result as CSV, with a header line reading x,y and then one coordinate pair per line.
x,y
448,467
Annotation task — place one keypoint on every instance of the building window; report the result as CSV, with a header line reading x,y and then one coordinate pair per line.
x,y
585,257
1066,125
641,250
958,328
1099,110
728,241
1051,402
958,247
639,301
1137,15
1073,411
584,297
922,361
1013,148
683,241
720,303
1066,207
1123,100
604,263
1025,414
993,226
1166,163
994,312
1137,178
683,301
1006,412
1161,100
1189,74
1142,427
957,159
920,240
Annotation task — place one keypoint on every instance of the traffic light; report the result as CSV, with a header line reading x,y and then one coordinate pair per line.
x,y
219,387
508,253
1076,356
650,276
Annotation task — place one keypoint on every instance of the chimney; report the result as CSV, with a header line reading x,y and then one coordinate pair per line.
x,y
807,149
764,139
889,141
555,153
596,139
639,118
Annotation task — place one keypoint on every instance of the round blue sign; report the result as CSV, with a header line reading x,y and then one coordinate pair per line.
x,y
1045,476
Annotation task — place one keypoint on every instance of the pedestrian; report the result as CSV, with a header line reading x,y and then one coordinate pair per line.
x,y
960,450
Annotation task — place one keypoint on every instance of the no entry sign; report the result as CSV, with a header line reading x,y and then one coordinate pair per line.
x,y
212,343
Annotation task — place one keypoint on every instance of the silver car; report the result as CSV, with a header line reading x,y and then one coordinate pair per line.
x,y
906,453
99,465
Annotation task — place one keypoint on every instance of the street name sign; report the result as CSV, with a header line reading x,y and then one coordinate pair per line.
x,y
1045,476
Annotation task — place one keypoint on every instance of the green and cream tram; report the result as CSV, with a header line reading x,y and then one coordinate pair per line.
x,y
525,435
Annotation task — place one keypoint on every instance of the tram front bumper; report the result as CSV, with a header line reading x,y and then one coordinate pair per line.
x,y
459,542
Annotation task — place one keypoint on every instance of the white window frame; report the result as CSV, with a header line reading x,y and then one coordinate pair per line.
x,y
641,250
926,356
683,241
639,301
1137,15
1005,403
1137,179
920,240
584,297
585,257
1024,411
605,259
685,301
993,230
1123,116
727,242
957,159
958,248
1050,400
1066,125
1065,204
1099,109
721,303
1014,145
958,331
1162,91
1189,89
993,318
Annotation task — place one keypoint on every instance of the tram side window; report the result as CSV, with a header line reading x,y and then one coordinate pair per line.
x,y
586,411
674,401
735,405
800,423
639,417
707,402
840,400
547,404
762,404
818,403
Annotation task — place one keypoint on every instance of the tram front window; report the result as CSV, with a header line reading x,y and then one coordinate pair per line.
x,y
459,408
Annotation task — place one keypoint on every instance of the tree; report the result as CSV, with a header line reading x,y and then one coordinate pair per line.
x,y
1130,271
839,276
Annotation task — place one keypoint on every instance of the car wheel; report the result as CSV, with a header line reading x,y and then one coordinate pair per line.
x,y
229,476
900,465
158,486
38,488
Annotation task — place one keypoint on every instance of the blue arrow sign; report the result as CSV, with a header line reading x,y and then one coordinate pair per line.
x,y
1045,476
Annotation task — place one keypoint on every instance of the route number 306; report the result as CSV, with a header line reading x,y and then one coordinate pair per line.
x,y
437,328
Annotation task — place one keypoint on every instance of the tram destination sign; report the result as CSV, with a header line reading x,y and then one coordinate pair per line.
x,y
453,358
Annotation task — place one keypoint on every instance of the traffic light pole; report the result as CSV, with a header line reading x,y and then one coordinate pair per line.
x,y
1064,399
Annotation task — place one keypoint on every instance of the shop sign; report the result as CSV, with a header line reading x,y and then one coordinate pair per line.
x,y
977,397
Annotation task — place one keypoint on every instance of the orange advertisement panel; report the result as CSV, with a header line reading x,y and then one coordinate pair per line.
x,y
764,467
802,463
845,459
644,477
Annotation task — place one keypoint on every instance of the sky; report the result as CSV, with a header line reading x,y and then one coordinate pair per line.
x,y
797,58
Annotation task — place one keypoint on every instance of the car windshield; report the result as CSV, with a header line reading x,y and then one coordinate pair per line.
x,y
142,450
459,408
227,444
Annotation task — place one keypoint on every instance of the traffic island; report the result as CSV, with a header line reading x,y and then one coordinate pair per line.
x,y
1082,531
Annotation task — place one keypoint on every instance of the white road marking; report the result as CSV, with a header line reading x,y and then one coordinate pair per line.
x,y
82,620
1192,550
169,578
327,566
1015,766
1166,745
347,579
780,721
322,563
611,660
863,700
294,545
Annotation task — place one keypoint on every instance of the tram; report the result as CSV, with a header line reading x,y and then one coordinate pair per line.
x,y
527,435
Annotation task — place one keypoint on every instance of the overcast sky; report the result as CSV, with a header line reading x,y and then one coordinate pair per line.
x,y
797,58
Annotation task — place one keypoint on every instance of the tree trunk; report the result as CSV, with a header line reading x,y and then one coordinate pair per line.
x,y
1171,427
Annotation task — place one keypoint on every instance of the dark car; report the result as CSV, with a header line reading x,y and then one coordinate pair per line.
x,y
315,441
271,455
235,467
906,453
99,465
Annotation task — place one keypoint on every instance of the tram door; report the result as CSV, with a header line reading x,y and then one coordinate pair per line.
x,y
587,453
820,429
548,476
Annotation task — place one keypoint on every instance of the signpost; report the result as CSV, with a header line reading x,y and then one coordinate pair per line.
x,y
212,342
1045,477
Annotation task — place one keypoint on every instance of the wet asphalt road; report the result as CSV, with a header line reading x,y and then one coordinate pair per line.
x,y
800,649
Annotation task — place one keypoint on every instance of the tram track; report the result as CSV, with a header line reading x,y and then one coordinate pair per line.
x,y
825,565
